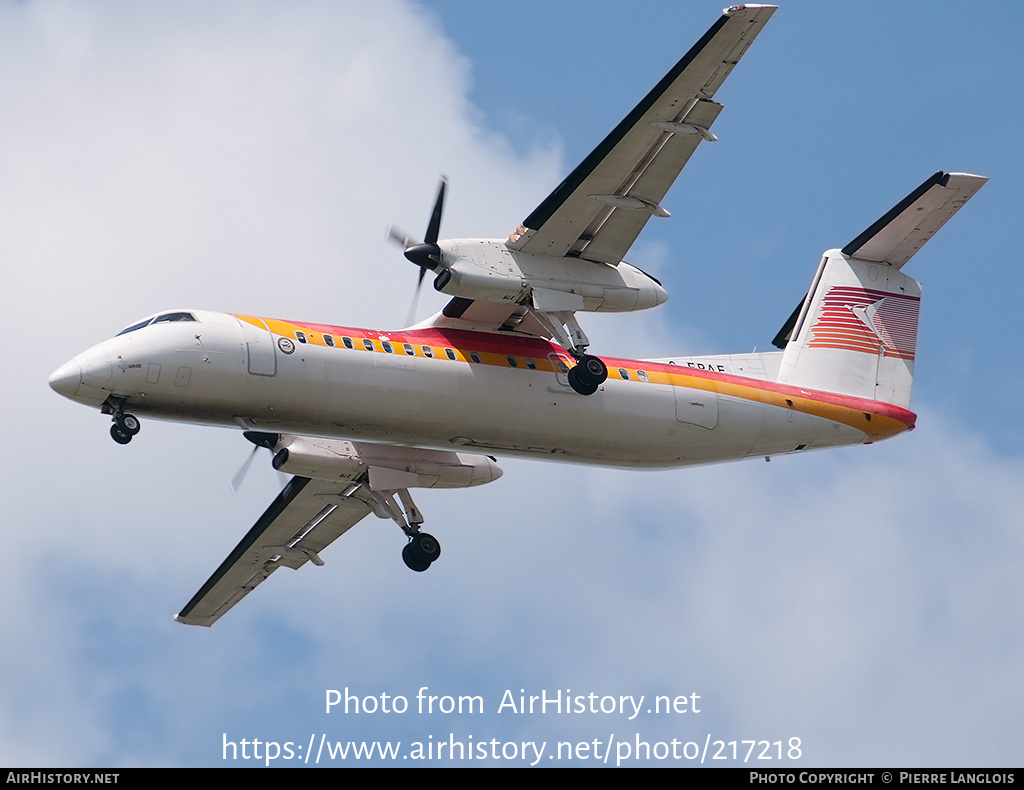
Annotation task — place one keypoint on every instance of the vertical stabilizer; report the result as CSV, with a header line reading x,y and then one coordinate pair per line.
x,y
856,331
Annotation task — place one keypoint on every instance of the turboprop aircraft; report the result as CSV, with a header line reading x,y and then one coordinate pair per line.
x,y
359,417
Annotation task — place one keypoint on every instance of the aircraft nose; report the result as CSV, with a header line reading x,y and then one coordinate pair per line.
x,y
66,379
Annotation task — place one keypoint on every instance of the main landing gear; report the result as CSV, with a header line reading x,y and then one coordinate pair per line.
x,y
421,549
589,372
125,425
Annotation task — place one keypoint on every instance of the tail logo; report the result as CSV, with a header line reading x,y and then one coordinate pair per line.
x,y
872,322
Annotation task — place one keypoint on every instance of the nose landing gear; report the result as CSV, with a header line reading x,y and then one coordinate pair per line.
x,y
125,425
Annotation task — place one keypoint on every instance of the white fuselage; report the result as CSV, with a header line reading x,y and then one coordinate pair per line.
x,y
492,392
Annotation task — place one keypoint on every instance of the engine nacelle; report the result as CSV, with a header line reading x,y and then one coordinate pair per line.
x,y
471,281
388,467
488,271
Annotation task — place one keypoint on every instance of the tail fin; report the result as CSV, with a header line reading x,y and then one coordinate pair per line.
x,y
856,331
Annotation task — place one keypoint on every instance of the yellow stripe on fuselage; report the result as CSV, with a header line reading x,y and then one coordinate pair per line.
x,y
876,419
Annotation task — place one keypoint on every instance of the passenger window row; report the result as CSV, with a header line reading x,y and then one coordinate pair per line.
x,y
428,351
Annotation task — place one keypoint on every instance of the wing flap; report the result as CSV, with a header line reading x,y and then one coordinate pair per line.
x,y
303,520
599,209
472,314
905,228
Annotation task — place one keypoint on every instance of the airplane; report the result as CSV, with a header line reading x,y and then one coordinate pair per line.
x,y
358,417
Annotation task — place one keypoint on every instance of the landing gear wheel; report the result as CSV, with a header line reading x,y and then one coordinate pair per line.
x,y
592,370
128,423
413,560
119,435
587,375
579,386
421,551
426,545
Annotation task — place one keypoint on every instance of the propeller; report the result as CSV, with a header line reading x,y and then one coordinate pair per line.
x,y
426,254
260,439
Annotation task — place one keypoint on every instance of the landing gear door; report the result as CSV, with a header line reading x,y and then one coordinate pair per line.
x,y
259,346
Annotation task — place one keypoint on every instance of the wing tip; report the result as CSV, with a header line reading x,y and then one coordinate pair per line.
x,y
733,10
183,619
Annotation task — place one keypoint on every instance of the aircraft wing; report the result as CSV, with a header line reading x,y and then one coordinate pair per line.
x,y
304,519
601,207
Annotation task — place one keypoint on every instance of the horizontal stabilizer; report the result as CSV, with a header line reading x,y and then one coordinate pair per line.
x,y
905,228
902,230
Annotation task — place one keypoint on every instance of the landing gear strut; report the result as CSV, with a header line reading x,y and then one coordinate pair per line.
x,y
422,549
589,372
125,425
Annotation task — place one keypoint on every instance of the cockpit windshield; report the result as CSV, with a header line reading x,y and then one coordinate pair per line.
x,y
163,318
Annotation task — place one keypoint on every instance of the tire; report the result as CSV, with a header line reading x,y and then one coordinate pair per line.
x,y
591,371
129,423
119,435
426,546
413,560
579,386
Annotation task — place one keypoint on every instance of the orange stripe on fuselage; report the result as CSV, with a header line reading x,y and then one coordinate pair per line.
x,y
876,419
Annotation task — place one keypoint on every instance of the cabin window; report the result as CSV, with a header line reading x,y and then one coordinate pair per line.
x,y
474,356
348,342
368,344
387,346
530,363
409,349
329,340
642,375
512,361
624,373
300,336
450,353
427,351
562,367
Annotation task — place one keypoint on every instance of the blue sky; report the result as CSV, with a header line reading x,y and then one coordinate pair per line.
x,y
249,157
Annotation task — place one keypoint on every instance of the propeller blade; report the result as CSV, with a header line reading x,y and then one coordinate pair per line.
x,y
425,254
434,227
416,297
260,439
397,236
240,475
